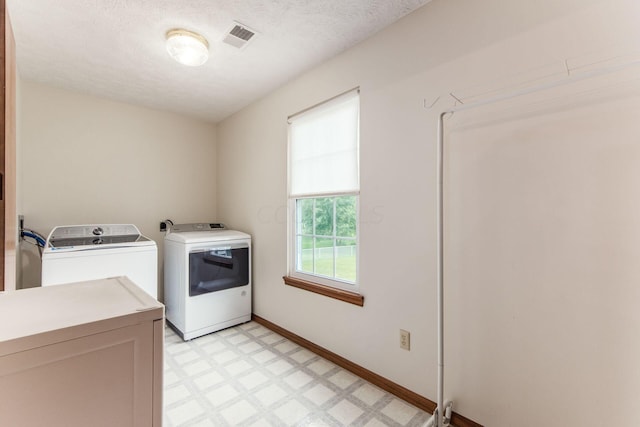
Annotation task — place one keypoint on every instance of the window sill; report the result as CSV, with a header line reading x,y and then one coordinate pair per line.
x,y
328,291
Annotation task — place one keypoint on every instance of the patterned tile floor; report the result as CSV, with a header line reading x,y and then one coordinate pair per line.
x,y
250,376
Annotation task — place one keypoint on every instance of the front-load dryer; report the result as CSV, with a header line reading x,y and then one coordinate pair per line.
x,y
207,278
75,253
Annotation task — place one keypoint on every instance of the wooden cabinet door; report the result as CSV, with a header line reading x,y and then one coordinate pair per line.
x,y
99,380
8,215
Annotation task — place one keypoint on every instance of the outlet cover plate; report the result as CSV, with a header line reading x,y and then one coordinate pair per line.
x,y
405,340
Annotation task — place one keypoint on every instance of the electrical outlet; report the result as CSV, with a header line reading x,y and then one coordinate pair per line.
x,y
405,339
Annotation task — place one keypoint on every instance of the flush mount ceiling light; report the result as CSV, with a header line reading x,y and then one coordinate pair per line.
x,y
187,47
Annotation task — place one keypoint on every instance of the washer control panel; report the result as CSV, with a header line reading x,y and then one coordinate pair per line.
x,y
197,226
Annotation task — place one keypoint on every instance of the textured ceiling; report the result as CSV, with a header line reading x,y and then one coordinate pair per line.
x,y
115,48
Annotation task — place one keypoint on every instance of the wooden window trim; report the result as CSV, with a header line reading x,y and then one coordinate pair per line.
x,y
339,294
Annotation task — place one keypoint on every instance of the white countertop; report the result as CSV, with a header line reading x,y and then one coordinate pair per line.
x,y
72,310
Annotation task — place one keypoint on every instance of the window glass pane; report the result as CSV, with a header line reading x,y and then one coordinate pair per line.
x,y
346,215
324,256
318,250
346,260
305,254
304,216
324,216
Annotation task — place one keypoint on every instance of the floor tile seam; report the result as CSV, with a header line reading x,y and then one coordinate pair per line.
x,y
304,365
379,404
289,358
265,411
201,348
177,353
387,421
197,374
273,420
231,379
269,411
249,339
200,418
361,419
326,406
279,339
313,410
211,359
347,396
280,381
376,407
198,393
263,337
385,401
175,366
324,416
250,394
260,414
183,363
417,420
258,328
389,398
325,382
208,413
260,345
279,378
194,395
300,392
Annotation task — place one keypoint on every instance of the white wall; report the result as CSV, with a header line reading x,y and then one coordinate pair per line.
x,y
540,314
90,160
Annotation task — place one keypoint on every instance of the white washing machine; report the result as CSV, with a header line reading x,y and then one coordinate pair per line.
x,y
207,278
75,253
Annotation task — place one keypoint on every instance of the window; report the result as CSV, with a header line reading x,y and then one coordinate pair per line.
x,y
323,193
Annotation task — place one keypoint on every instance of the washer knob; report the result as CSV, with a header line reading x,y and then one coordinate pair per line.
x,y
98,231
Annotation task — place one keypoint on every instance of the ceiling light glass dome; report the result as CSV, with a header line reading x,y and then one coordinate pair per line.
x,y
187,47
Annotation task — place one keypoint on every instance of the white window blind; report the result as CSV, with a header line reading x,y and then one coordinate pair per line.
x,y
324,148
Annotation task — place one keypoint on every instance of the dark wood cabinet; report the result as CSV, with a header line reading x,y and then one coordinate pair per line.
x,y
8,214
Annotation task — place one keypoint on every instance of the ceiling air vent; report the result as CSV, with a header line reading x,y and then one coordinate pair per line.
x,y
239,36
